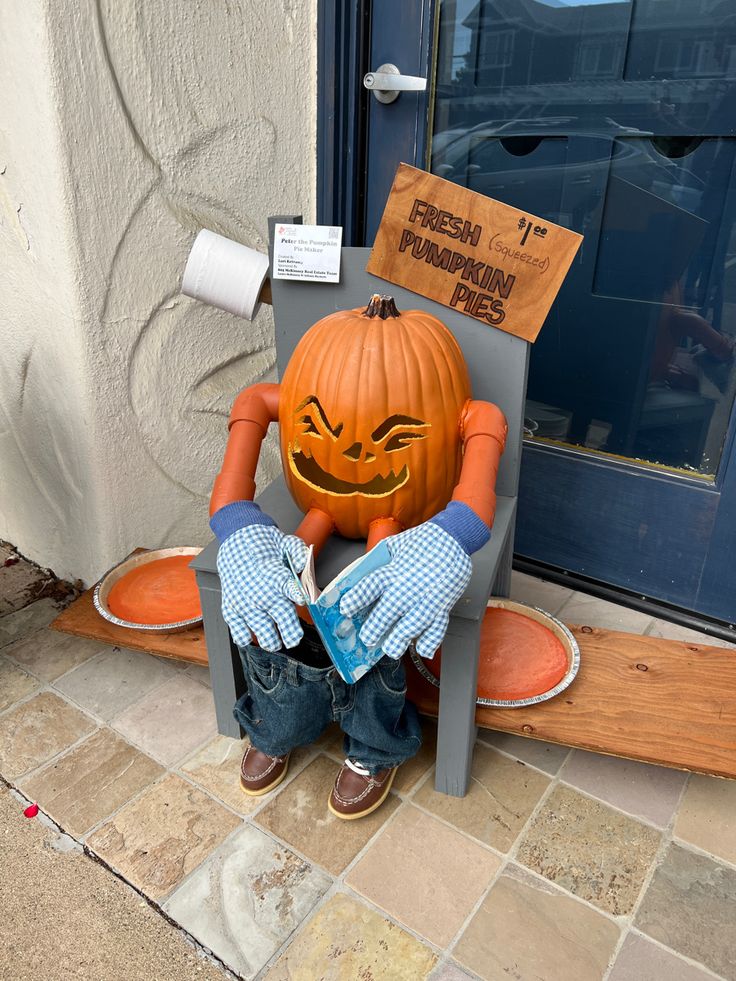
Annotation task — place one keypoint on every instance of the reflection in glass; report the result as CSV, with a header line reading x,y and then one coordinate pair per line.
x,y
615,119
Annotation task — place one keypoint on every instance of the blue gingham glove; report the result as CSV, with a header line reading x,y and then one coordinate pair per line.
x,y
429,571
258,589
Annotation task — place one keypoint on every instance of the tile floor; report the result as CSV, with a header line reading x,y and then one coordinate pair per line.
x,y
558,865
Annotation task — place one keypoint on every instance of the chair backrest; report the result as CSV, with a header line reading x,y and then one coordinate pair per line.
x,y
498,362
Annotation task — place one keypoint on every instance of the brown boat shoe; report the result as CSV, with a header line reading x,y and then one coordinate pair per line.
x,y
356,793
260,773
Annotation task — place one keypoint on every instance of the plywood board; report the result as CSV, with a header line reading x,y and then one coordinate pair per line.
x,y
492,262
81,618
660,701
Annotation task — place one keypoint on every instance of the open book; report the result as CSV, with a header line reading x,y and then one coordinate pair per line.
x,y
340,633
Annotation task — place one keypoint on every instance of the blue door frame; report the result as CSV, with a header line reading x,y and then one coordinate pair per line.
x,y
661,538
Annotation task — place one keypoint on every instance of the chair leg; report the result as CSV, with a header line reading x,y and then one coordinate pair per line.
x,y
458,688
226,671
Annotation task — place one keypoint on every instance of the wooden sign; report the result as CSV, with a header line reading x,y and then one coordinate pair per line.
x,y
493,262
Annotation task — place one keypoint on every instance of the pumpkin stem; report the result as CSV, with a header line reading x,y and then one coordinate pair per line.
x,y
381,306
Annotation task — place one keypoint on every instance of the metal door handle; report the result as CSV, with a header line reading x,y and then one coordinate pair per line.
x,y
386,82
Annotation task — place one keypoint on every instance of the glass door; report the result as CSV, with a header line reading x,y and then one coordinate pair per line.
x,y
616,119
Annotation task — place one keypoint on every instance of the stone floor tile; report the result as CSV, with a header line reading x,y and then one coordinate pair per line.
x,y
500,799
545,756
589,849
26,621
707,816
14,683
216,767
528,933
646,791
114,680
34,732
86,785
163,835
641,960
675,631
245,900
409,773
299,815
548,596
170,721
347,941
593,612
48,653
690,906
424,874
200,673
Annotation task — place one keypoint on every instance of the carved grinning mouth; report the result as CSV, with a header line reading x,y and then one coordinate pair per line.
x,y
307,468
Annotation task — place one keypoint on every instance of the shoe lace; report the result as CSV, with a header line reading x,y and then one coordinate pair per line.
x,y
357,768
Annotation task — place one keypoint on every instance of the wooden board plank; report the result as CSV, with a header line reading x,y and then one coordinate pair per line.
x,y
659,701
82,619
486,259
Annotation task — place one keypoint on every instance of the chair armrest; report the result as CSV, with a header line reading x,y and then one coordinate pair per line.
x,y
487,563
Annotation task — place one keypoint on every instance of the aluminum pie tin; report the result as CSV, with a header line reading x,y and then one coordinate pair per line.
x,y
540,616
103,587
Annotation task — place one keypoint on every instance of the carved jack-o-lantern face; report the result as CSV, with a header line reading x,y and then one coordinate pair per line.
x,y
381,461
369,415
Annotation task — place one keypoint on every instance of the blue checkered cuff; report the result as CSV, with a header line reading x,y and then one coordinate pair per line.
x,y
460,521
238,514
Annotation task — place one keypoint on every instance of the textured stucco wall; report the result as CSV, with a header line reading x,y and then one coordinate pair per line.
x,y
126,127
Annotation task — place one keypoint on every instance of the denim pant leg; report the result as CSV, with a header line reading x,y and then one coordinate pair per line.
x,y
381,728
285,705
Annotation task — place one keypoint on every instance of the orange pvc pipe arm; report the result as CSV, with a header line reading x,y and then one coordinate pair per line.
x,y
484,430
254,409
381,528
315,528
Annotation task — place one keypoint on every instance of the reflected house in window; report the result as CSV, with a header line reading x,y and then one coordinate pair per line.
x,y
519,42
512,51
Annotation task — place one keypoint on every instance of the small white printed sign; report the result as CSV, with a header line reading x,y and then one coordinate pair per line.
x,y
307,252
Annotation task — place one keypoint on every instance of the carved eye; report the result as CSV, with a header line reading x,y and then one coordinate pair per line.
x,y
315,420
309,426
401,440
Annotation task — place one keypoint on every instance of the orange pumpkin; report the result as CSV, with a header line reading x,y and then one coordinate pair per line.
x,y
369,415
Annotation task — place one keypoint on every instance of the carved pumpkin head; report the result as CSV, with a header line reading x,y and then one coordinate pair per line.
x,y
369,416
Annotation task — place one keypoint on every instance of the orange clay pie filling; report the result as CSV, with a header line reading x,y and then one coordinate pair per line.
x,y
520,658
159,592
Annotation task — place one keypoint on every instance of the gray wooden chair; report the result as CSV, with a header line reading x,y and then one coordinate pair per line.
x,y
498,369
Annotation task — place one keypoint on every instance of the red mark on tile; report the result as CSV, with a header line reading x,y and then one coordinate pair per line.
x,y
31,811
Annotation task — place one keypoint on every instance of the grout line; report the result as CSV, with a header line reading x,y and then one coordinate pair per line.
x,y
496,852
512,859
532,766
662,850
51,681
28,775
322,901
636,932
24,699
688,846
448,961
113,814
660,829
197,868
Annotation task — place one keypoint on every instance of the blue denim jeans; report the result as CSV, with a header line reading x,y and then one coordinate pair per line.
x,y
289,703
